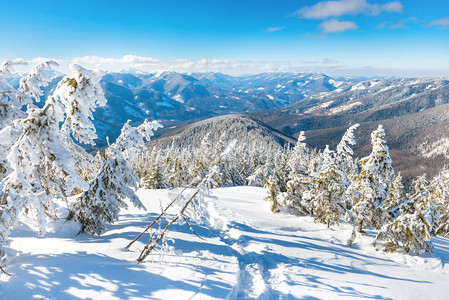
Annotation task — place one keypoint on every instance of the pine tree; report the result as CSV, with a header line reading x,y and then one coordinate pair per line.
x,y
299,181
328,192
273,194
369,188
409,233
104,198
440,196
344,151
424,200
115,181
395,196
41,165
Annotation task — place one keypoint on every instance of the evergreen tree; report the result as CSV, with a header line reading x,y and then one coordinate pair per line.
x,y
115,181
273,194
104,198
395,196
344,152
328,192
440,196
298,177
409,233
41,165
369,188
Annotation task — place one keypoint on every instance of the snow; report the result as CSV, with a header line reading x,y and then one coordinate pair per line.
x,y
249,252
345,107
358,87
178,98
165,102
374,83
317,107
336,83
439,147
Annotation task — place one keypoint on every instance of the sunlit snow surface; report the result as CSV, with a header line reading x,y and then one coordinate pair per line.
x,y
248,253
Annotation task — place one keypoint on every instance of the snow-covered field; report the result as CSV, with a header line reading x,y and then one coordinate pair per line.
x,y
249,252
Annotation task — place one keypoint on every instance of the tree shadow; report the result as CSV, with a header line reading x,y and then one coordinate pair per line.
x,y
84,275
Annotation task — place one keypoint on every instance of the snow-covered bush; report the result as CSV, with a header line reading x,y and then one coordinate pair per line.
x,y
409,233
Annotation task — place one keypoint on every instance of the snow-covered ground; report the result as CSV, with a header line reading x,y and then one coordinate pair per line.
x,y
248,253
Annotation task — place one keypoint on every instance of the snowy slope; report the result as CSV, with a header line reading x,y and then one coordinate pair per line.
x,y
248,252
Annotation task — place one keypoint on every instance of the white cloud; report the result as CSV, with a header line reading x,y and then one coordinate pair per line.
x,y
333,25
324,61
235,67
401,24
274,29
442,23
328,9
125,60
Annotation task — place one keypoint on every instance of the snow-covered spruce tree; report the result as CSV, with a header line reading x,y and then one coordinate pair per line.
x,y
408,233
11,103
105,196
115,181
368,189
273,194
345,161
154,175
418,219
279,168
298,182
328,192
204,158
440,197
41,164
424,200
395,196
344,151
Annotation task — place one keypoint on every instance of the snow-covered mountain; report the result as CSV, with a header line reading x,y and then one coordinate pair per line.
x,y
175,96
399,96
241,127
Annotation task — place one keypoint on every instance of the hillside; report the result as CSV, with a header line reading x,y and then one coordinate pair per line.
x,y
249,253
241,127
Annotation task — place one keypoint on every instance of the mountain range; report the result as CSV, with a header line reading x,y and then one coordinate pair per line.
x,y
180,98
415,112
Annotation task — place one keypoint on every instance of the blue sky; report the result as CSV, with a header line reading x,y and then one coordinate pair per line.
x,y
343,37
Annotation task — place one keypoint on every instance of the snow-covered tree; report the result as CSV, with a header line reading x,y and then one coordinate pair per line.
x,y
368,189
154,175
32,84
41,165
328,192
115,181
299,181
131,141
102,201
11,100
273,194
344,151
395,196
408,233
440,197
